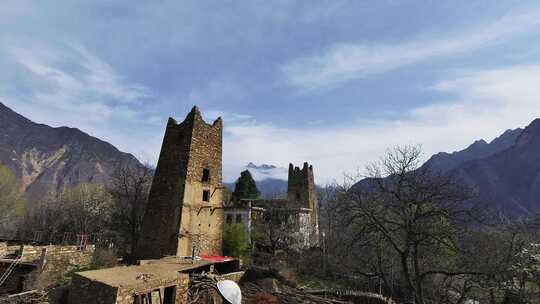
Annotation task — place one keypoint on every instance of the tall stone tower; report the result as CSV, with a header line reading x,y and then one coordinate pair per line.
x,y
301,193
184,214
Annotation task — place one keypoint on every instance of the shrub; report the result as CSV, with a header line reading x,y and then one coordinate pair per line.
x,y
235,240
103,258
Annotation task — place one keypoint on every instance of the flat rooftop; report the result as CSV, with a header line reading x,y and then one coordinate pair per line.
x,y
150,270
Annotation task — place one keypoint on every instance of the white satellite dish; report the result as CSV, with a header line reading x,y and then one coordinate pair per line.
x,y
230,291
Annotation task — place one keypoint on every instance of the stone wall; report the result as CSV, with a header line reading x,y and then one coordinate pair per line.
x,y
30,253
202,222
84,291
159,234
60,260
44,266
126,294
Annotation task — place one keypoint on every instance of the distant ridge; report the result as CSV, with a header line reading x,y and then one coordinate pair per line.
x,y
510,179
504,173
479,149
48,159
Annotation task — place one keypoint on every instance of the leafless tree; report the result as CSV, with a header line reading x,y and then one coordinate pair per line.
x,y
86,208
129,188
277,229
410,214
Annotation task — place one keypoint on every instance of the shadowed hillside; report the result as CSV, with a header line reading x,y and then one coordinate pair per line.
x,y
47,159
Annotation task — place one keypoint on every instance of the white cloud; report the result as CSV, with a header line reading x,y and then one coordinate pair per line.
x,y
485,104
77,72
69,85
347,61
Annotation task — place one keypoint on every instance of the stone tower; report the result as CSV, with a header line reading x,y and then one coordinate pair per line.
x,y
301,193
184,214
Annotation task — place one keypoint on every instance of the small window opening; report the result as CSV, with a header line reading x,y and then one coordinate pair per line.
x,y
297,196
238,218
169,296
206,195
229,219
205,175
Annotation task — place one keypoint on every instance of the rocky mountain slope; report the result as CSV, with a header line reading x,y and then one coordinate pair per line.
x,y
504,173
508,180
48,159
479,149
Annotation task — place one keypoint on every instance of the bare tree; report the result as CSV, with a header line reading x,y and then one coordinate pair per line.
x,y
408,213
129,188
279,229
87,208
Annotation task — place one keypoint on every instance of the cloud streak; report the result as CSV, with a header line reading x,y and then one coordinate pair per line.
x,y
78,72
348,61
71,86
485,104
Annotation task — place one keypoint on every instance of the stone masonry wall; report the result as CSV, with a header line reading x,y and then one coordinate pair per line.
x,y
159,235
45,266
58,261
125,294
202,222
84,291
176,217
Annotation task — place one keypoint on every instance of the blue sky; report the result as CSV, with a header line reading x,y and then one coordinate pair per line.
x,y
331,82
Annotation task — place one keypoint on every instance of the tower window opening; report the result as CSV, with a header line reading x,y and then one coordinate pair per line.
x,y
238,218
205,175
206,195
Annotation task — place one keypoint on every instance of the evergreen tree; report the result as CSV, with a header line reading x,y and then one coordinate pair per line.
x,y
245,187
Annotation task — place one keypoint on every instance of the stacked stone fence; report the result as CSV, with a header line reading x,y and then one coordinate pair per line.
x,y
358,296
42,238
43,266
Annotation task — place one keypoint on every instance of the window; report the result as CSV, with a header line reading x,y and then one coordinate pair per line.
x,y
205,175
238,218
229,219
206,195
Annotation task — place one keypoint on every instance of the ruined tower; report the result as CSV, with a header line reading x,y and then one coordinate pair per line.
x,y
184,214
301,193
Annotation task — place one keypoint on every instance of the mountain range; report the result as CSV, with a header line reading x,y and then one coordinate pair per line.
x,y
48,159
479,149
507,178
505,172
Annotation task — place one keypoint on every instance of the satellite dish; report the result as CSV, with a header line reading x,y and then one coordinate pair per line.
x,y
230,291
